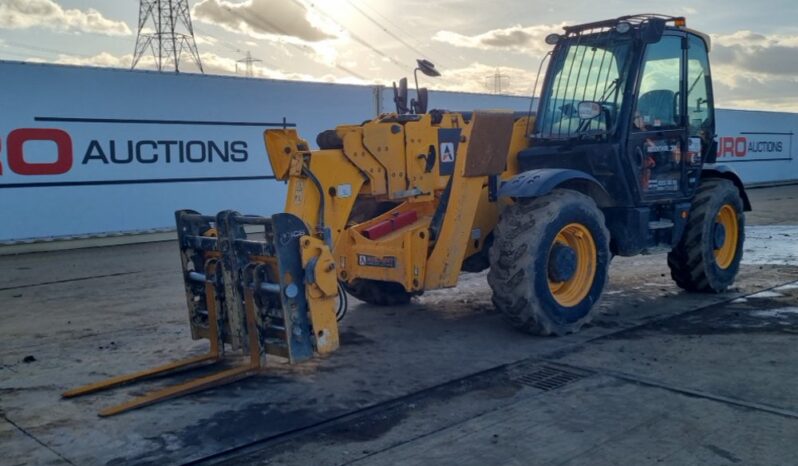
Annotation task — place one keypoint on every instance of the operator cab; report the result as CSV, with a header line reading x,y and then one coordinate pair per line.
x,y
628,101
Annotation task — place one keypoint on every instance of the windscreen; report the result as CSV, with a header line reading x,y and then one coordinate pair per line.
x,y
584,68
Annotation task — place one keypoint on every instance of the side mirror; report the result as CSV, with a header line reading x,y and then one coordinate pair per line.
x,y
428,68
568,110
420,106
587,110
698,102
400,96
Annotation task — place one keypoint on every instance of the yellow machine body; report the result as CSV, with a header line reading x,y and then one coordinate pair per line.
x,y
390,166
274,293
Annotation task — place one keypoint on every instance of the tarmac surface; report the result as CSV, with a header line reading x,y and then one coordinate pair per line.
x,y
659,377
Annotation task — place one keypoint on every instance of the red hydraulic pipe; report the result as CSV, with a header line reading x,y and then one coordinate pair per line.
x,y
397,221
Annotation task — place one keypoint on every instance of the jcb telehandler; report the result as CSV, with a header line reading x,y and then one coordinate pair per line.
x,y
619,159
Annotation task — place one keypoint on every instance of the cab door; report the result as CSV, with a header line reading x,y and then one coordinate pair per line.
x,y
658,139
700,111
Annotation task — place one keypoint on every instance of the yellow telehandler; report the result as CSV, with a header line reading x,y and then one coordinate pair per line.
x,y
619,159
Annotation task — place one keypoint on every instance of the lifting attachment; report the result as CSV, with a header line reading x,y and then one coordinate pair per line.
x,y
247,293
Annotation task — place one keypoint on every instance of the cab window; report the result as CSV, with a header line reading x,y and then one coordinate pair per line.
x,y
699,104
657,104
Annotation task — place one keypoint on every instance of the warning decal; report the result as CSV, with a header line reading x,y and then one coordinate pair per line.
x,y
365,260
448,139
447,152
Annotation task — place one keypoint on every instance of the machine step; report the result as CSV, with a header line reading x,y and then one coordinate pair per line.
x,y
660,224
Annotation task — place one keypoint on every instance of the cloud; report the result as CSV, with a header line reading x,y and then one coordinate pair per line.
x,y
753,70
478,77
758,53
24,14
261,18
750,92
517,38
202,39
103,59
212,63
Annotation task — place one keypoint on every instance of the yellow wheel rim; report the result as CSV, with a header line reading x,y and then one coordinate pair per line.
x,y
572,291
724,254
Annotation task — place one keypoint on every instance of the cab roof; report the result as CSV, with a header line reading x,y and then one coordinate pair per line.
x,y
637,21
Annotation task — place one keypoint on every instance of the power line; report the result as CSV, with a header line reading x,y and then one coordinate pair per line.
x,y
303,48
220,41
355,36
386,30
228,45
401,28
382,16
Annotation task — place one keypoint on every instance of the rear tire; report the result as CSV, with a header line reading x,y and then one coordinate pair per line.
x,y
706,259
377,292
539,286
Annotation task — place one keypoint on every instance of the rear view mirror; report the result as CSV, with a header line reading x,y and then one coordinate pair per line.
x,y
428,68
420,106
400,96
588,110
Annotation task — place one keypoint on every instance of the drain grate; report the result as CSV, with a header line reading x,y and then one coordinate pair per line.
x,y
548,378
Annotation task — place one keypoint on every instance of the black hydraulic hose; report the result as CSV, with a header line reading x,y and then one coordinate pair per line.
x,y
317,183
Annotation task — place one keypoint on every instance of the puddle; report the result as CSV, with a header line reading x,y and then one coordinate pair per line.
x,y
766,294
778,312
771,244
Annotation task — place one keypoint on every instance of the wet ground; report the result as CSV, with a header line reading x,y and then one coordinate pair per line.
x,y
661,376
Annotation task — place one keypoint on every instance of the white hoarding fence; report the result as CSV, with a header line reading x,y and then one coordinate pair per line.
x,y
86,151
758,145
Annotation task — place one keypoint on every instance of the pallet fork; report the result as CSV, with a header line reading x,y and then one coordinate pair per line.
x,y
274,295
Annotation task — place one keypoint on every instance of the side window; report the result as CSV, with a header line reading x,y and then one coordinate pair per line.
x,y
658,97
699,105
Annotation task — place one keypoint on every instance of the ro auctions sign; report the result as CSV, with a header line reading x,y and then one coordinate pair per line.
x,y
755,146
106,151
62,154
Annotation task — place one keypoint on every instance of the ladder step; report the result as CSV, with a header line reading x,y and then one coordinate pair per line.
x,y
275,342
660,224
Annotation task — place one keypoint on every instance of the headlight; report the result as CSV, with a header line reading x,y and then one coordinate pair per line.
x,y
623,27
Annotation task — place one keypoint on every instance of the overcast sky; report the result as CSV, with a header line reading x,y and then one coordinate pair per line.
x,y
754,57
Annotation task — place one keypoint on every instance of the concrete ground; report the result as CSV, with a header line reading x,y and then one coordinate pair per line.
x,y
661,376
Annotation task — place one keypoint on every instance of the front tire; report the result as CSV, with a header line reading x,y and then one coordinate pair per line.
x,y
342,303
549,262
707,258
